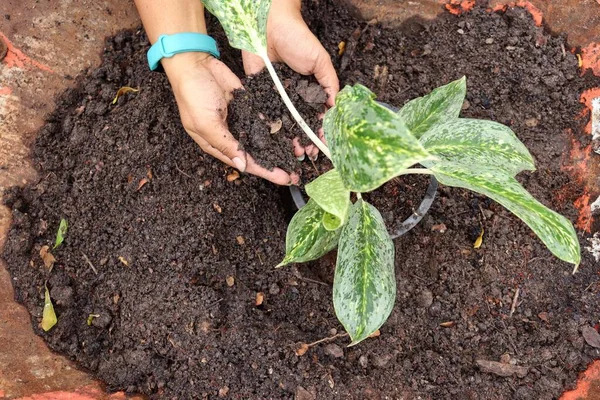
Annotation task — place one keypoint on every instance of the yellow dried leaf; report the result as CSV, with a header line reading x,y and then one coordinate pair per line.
x,y
123,261
48,316
341,48
479,240
301,349
47,257
122,91
448,324
260,298
579,61
230,280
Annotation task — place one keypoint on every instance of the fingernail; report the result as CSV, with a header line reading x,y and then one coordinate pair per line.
x,y
301,158
314,158
239,164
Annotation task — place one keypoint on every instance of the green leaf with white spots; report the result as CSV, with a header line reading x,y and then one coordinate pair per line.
x,y
48,315
329,193
369,143
364,286
307,239
441,105
244,22
554,230
478,143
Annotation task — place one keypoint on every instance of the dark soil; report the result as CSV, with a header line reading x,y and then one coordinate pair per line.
x,y
170,323
266,131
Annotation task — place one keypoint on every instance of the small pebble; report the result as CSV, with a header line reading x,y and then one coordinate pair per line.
x,y
461,31
274,289
489,41
532,122
466,105
363,361
223,391
425,299
334,350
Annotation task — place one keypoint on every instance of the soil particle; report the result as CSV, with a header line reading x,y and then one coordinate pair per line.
x,y
333,350
591,336
178,330
502,369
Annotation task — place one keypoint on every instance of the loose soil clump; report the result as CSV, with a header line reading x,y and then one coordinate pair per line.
x,y
172,256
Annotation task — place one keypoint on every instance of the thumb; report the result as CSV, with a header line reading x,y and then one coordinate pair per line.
x,y
253,64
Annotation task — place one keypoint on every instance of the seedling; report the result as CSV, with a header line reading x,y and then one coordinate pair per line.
x,y
48,315
370,145
61,233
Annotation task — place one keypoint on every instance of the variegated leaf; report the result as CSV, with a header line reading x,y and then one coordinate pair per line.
x,y
364,286
441,105
478,143
244,22
307,239
329,193
555,231
369,143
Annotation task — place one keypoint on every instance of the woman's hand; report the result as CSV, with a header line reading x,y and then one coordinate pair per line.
x,y
290,41
203,87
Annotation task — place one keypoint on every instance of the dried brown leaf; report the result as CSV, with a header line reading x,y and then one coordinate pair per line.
x,y
375,334
447,324
301,349
217,208
276,126
47,257
233,176
241,241
142,183
260,298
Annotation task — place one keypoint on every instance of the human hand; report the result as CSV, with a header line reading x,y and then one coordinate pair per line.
x,y
290,41
203,87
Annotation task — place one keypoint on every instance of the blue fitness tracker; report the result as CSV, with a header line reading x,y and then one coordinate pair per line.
x,y
169,45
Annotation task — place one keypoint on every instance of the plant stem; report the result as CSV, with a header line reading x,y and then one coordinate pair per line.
x,y
293,110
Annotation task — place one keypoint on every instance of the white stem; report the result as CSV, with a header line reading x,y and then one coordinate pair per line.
x,y
293,110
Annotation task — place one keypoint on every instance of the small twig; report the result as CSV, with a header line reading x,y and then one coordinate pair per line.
x,y
89,263
312,281
177,168
514,304
328,339
214,303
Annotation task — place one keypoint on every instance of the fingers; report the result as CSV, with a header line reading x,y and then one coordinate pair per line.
x,y
298,149
277,175
253,64
325,73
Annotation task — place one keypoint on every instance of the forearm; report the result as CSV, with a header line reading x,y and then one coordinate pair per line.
x,y
164,17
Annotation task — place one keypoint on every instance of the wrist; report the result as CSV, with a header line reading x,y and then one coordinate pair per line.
x,y
177,65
